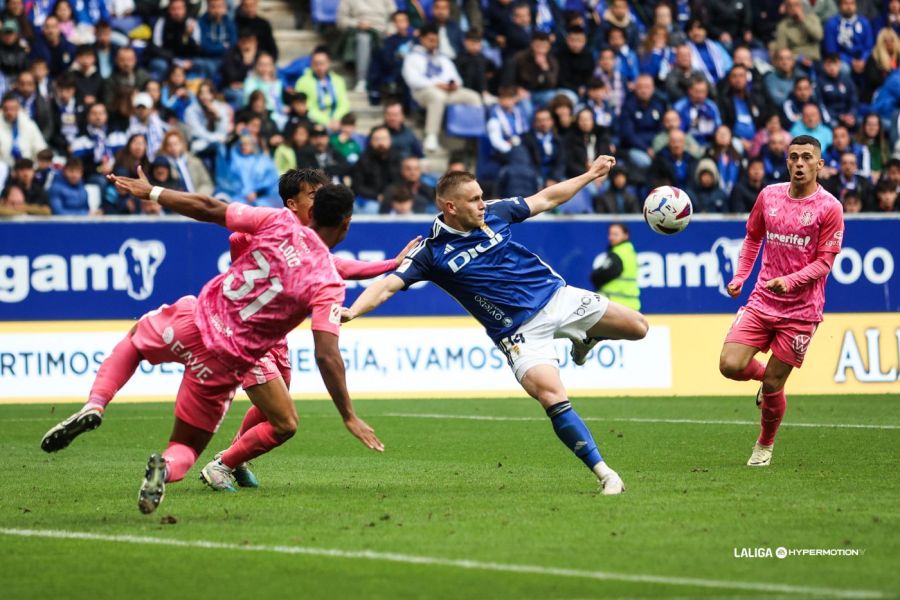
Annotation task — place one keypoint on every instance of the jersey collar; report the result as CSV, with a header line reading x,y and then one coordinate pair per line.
x,y
440,226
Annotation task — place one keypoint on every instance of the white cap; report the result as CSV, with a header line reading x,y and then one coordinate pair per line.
x,y
143,99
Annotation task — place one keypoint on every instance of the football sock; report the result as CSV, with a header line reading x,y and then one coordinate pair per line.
x,y
572,432
179,459
115,372
252,417
258,440
754,370
773,406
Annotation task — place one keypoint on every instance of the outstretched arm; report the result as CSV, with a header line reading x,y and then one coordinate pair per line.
x,y
363,269
560,193
196,206
375,295
331,366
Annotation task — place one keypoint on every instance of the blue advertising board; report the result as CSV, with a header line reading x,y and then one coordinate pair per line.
x,y
119,269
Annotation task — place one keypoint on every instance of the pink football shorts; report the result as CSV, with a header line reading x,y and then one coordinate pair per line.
x,y
170,334
788,338
274,363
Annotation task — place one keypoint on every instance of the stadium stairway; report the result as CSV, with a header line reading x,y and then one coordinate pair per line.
x,y
294,42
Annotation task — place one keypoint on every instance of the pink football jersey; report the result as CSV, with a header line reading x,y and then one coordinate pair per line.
x,y
795,230
284,274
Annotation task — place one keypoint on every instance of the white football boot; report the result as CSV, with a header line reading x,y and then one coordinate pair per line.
x,y
762,455
610,482
63,433
217,476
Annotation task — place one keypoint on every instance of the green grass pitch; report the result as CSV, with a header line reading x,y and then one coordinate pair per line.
x,y
502,494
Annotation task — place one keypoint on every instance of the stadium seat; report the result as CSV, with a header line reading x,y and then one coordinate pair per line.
x,y
466,121
324,12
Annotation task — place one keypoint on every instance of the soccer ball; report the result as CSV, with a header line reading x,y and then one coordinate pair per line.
x,y
667,210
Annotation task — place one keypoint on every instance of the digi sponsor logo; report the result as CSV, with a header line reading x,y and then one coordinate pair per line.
x,y
466,256
132,270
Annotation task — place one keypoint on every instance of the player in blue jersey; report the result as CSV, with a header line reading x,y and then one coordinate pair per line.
x,y
521,302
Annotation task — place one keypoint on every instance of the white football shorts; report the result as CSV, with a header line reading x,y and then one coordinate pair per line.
x,y
570,313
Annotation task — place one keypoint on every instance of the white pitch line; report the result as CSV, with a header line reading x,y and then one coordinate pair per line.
x,y
641,420
452,563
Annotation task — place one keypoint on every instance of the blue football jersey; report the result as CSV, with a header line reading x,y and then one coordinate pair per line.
x,y
501,283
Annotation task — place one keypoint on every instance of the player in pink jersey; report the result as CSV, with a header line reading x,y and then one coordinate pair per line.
x,y
285,275
268,382
803,227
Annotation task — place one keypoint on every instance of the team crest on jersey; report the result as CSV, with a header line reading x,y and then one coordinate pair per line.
x,y
800,343
806,218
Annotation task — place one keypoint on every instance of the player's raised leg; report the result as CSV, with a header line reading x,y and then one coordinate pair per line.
x,y
280,425
114,373
542,382
737,362
617,323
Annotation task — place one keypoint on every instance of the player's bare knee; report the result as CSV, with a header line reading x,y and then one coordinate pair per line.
x,y
728,366
550,396
639,327
286,427
772,383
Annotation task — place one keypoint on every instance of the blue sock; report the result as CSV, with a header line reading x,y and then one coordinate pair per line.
x,y
572,432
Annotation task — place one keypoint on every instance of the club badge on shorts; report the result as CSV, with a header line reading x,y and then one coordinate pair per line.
x,y
800,343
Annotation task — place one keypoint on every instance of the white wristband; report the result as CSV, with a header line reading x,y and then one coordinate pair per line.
x,y
155,192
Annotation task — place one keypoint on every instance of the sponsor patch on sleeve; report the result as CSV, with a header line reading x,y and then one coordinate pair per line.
x,y
335,314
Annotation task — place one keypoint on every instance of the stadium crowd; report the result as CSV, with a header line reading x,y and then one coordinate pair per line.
x,y
703,95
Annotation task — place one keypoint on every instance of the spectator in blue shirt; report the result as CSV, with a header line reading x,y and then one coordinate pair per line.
x,y
673,165
850,35
838,92
774,159
743,106
640,122
545,148
792,109
708,57
811,124
699,115
90,11
218,34
507,123
67,193
51,46
626,58
889,19
780,81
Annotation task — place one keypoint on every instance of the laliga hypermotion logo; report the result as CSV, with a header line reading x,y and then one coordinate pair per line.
x,y
726,251
142,259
